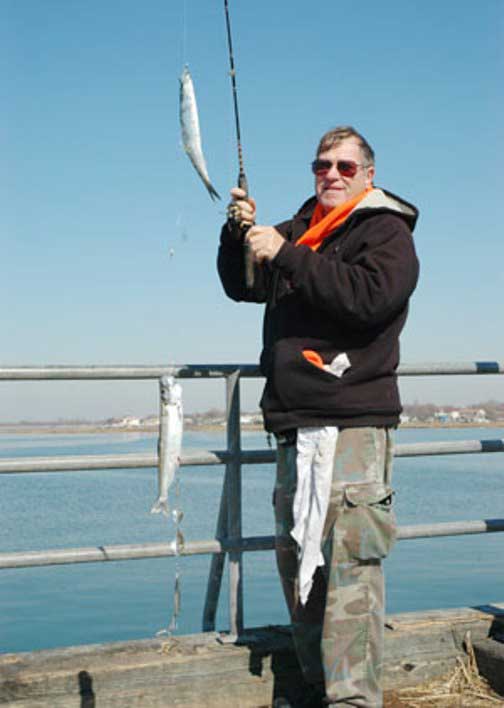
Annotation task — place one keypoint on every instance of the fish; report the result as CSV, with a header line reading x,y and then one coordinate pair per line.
x,y
177,601
170,441
191,136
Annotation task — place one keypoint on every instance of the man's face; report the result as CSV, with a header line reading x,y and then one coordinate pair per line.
x,y
333,188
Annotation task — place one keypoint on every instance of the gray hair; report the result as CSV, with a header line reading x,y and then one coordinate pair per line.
x,y
343,132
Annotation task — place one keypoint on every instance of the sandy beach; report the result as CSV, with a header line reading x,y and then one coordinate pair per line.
x,y
96,428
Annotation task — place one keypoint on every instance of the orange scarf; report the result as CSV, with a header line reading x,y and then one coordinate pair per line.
x,y
321,226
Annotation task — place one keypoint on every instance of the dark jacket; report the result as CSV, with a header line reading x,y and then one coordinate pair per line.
x,y
350,296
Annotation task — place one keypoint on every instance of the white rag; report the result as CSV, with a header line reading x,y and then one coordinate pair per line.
x,y
338,365
315,458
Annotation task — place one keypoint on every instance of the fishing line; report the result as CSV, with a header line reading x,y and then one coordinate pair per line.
x,y
178,546
184,32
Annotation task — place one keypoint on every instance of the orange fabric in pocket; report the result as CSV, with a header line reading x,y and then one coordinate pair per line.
x,y
313,358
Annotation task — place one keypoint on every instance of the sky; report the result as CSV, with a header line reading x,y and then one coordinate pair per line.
x,y
109,239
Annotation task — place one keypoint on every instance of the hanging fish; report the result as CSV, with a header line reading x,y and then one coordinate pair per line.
x,y
191,137
177,597
170,440
172,626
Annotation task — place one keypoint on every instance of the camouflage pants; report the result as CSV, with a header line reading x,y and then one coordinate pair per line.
x,y
338,634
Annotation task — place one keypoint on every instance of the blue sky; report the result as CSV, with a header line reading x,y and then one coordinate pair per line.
x,y
96,190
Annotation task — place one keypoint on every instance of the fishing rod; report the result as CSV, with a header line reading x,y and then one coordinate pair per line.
x,y
242,179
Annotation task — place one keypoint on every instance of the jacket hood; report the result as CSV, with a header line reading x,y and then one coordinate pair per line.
x,y
383,201
379,201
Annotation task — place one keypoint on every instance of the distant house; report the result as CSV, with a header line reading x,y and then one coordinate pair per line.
x,y
473,415
128,421
251,418
150,420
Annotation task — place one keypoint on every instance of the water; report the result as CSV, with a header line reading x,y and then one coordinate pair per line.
x,y
102,602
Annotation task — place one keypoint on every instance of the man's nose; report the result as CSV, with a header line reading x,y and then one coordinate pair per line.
x,y
332,172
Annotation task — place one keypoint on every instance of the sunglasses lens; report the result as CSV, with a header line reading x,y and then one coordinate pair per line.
x,y
319,166
346,168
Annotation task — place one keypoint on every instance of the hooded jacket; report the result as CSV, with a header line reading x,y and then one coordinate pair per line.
x,y
348,297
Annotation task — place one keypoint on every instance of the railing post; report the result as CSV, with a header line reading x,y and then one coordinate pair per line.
x,y
216,565
234,505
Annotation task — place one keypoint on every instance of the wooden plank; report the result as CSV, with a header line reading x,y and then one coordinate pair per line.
x,y
490,659
185,671
451,616
422,645
197,670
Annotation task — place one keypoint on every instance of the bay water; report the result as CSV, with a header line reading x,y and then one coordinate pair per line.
x,y
103,602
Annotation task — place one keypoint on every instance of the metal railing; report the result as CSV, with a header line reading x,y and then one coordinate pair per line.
x,y
228,536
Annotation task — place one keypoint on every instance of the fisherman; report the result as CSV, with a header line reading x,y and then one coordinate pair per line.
x,y
336,280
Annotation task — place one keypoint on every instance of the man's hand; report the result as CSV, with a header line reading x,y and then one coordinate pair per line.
x,y
264,242
241,209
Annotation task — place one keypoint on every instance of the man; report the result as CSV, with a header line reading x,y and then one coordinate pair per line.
x,y
336,279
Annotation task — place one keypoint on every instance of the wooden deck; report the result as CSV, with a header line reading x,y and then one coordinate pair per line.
x,y
206,670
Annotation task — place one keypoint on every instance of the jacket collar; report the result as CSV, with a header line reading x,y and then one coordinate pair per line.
x,y
377,201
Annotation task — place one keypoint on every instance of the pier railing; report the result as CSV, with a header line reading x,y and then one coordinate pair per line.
x,y
228,536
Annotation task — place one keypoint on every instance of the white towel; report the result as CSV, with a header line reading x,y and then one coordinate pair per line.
x,y
315,457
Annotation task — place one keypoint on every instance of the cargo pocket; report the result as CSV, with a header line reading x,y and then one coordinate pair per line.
x,y
367,523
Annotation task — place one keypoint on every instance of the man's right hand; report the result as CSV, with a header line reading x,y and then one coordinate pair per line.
x,y
241,209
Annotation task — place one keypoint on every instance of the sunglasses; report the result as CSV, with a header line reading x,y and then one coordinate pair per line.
x,y
346,168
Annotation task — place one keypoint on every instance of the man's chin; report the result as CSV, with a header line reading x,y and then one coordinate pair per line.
x,y
334,200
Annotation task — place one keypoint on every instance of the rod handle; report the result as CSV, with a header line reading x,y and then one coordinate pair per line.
x,y
243,182
249,260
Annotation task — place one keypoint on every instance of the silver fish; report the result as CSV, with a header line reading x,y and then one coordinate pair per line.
x,y
191,137
177,598
170,440
177,601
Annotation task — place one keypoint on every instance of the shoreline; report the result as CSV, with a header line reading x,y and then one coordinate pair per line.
x,y
92,429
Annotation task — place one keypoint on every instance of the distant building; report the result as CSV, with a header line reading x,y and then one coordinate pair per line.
x,y
150,420
251,418
473,415
128,421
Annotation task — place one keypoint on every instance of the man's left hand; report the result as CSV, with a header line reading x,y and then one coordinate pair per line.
x,y
264,242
